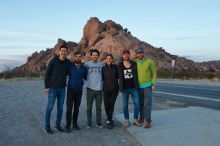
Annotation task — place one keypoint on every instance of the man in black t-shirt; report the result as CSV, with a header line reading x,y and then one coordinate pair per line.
x,y
128,84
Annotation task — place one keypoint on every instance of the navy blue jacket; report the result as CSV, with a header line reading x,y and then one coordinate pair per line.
x,y
76,76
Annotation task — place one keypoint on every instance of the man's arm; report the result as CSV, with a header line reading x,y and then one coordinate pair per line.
x,y
47,77
154,75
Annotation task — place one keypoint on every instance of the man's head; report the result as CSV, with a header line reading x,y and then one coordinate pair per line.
x,y
126,55
63,52
94,53
140,53
77,57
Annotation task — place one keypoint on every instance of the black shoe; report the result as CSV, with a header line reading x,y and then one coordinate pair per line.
x,y
89,126
48,130
67,130
58,128
109,126
112,122
76,127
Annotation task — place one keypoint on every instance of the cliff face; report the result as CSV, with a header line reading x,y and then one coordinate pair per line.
x,y
110,37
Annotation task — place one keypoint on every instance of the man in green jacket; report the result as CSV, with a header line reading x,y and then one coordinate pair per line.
x,y
146,79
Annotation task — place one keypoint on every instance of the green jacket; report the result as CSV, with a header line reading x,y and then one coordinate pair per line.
x,y
147,74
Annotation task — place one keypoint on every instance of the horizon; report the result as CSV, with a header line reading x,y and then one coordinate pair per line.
x,y
189,29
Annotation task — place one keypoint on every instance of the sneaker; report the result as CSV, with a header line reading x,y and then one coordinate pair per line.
x,y
99,125
136,123
141,120
58,128
48,130
147,125
107,122
67,130
109,125
112,122
89,126
76,127
126,124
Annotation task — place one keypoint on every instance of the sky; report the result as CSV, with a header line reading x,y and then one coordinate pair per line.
x,y
187,28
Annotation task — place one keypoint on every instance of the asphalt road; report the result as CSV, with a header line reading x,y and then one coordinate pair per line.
x,y
200,94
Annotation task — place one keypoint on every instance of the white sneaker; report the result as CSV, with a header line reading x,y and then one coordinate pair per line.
x,y
99,125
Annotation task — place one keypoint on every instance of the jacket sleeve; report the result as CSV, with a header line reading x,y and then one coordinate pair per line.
x,y
117,72
135,73
48,74
85,73
120,76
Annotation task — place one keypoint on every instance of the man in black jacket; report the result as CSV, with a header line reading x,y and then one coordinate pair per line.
x,y
128,84
110,87
55,82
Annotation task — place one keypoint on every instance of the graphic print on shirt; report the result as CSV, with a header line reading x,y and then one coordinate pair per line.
x,y
128,74
94,69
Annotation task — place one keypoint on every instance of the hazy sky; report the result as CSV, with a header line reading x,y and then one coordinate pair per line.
x,y
189,28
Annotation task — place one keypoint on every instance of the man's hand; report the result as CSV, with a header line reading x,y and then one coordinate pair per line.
x,y
47,90
153,87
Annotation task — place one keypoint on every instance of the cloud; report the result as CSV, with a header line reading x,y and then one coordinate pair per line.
x,y
201,58
10,57
188,37
20,34
20,47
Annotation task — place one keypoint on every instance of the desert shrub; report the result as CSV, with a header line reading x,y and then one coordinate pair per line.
x,y
210,75
17,74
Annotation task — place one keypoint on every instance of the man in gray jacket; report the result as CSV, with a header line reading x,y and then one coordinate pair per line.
x,y
94,87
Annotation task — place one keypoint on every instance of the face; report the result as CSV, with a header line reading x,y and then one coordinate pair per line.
x,y
108,60
95,56
78,58
140,55
63,52
126,56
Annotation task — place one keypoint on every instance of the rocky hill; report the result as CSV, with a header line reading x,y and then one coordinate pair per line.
x,y
110,37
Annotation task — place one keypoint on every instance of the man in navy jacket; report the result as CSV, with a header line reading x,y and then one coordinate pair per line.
x,y
77,72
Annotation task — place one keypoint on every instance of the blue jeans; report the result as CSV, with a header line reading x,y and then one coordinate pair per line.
x,y
145,103
53,94
135,97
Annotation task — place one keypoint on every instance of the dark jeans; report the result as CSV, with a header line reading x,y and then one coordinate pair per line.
x,y
54,94
73,96
109,102
91,95
145,103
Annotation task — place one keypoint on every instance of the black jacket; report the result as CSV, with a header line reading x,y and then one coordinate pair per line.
x,y
110,77
56,73
121,74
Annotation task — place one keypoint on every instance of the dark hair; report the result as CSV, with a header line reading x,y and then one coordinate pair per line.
x,y
109,55
77,53
63,46
94,50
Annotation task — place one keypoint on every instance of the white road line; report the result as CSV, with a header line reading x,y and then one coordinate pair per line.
x,y
188,96
189,87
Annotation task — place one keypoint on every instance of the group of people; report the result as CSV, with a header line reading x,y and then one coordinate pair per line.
x,y
104,81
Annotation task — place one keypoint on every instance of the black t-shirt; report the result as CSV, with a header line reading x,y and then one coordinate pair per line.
x,y
128,80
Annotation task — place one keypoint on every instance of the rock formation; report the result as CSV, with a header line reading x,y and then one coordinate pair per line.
x,y
110,37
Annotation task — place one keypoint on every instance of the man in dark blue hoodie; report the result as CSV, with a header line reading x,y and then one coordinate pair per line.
x,y
77,72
